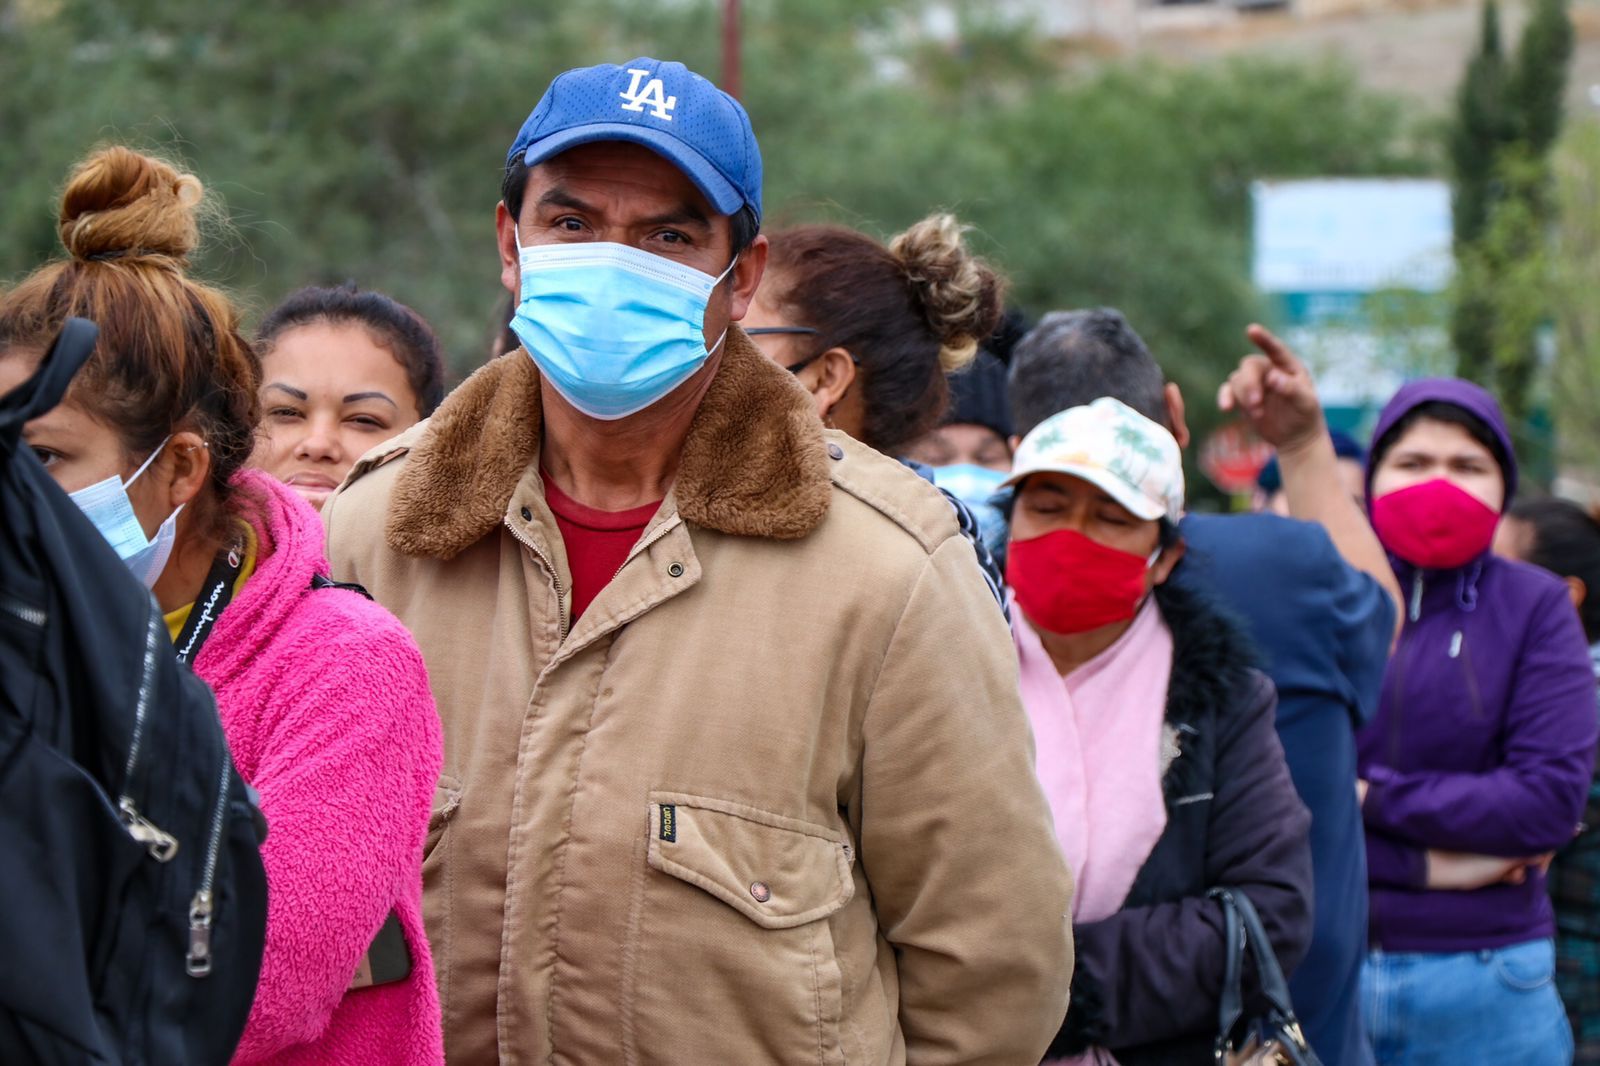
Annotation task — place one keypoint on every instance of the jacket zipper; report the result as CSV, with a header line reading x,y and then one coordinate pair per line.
x,y
555,575
1400,661
161,845
659,532
201,906
34,616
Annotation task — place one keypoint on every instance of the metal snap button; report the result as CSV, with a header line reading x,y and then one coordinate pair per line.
x,y
675,570
527,515
760,891
834,451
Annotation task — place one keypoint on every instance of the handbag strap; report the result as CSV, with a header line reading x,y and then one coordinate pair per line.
x,y
1245,932
1232,1002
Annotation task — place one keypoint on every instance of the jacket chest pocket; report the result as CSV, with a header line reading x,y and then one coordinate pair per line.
x,y
732,948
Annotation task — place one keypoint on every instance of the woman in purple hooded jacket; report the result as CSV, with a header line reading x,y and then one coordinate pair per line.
x,y
1476,767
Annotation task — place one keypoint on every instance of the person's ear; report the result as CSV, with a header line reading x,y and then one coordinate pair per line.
x,y
1168,561
505,230
1577,591
1015,442
184,473
746,278
175,479
1180,428
830,378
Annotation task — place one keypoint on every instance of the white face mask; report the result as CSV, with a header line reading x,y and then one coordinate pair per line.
x,y
107,505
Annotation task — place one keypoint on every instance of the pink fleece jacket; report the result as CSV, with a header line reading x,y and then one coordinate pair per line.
x,y
326,706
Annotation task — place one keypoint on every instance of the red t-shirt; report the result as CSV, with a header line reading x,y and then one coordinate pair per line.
x,y
598,542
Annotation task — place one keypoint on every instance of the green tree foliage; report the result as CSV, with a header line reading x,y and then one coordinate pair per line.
x,y
1506,123
1538,83
1483,128
1574,269
366,141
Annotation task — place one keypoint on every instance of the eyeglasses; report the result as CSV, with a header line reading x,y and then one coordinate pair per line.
x,y
766,331
795,331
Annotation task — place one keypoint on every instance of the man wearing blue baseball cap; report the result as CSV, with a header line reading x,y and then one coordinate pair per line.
x,y
716,789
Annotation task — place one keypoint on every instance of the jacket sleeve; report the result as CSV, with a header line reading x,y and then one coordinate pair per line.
x,y
957,843
1532,801
1394,863
1138,970
346,781
1361,618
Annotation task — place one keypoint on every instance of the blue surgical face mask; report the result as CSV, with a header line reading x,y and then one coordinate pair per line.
x,y
612,328
968,482
107,505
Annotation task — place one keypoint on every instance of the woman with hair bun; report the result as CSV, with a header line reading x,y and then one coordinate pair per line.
x,y
322,693
871,330
342,371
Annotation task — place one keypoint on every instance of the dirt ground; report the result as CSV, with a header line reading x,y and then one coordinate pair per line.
x,y
1418,48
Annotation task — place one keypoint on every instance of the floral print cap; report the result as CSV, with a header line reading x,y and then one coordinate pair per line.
x,y
1113,447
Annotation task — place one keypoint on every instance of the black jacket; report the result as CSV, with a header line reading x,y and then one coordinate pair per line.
x,y
1149,977
134,898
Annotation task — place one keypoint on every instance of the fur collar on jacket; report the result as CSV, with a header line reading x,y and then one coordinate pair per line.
x,y
754,463
1212,658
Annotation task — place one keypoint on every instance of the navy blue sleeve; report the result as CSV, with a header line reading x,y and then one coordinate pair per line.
x,y
1323,627
1361,618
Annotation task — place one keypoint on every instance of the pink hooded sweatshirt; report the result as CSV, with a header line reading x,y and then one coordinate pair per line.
x,y
326,706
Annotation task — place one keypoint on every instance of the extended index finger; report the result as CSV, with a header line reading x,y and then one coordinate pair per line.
x,y
1273,348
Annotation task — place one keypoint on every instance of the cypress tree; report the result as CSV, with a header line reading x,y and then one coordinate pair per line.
x,y
1481,129
1538,81
1507,119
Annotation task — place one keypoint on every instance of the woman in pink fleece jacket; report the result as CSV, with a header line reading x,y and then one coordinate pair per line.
x,y
322,693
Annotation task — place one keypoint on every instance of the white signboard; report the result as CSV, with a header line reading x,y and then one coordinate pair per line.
x,y
1351,235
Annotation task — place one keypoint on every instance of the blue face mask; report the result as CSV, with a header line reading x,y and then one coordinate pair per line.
x,y
973,485
107,505
968,482
612,328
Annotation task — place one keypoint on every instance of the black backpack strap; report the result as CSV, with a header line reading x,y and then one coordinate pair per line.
x,y
68,352
323,581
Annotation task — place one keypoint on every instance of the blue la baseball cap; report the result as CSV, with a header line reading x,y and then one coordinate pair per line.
x,y
666,107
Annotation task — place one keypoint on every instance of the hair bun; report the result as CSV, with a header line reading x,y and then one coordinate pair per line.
x,y
961,295
124,203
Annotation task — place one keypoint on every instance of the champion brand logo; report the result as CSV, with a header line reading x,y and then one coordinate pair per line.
x,y
652,94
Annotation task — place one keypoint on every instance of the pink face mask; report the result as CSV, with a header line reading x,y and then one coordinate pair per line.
x,y
1435,525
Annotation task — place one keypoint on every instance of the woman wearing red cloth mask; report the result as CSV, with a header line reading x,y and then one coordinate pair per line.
x,y
1155,741
1477,764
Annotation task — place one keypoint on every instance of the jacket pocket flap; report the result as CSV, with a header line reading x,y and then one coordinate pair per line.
x,y
778,872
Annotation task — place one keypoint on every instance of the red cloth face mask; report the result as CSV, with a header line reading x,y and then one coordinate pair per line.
x,y
1435,525
1067,583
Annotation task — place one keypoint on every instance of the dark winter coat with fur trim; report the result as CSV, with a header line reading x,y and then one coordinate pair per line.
x,y
1149,977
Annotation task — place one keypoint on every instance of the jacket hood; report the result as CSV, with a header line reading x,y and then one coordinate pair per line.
x,y
1464,394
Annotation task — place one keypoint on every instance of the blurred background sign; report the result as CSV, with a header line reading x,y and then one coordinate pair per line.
x,y
1357,270
1232,458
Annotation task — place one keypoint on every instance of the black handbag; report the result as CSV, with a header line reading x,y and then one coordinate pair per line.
x,y
1274,1037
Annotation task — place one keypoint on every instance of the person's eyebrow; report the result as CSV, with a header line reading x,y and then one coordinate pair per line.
x,y
559,197
296,393
356,397
682,215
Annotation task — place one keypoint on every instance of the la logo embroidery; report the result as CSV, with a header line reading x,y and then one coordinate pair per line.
x,y
654,95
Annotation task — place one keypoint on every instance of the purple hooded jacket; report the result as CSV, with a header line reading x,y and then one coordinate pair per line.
x,y
1485,734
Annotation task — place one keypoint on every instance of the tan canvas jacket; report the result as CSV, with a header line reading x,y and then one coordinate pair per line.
x,y
770,800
